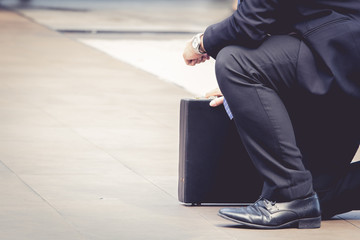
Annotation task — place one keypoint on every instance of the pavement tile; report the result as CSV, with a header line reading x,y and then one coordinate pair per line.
x,y
57,158
119,206
25,215
352,217
25,116
30,134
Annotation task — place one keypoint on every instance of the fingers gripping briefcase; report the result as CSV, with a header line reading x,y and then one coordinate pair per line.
x,y
214,167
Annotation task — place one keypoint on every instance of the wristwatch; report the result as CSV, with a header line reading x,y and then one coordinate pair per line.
x,y
196,43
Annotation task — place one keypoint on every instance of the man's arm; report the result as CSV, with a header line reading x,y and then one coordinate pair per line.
x,y
249,25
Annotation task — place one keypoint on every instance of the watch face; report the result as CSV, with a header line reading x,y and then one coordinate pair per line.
x,y
195,43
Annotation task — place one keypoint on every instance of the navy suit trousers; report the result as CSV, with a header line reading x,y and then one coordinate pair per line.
x,y
300,139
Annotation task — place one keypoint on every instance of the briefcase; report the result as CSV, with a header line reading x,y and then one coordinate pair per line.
x,y
214,167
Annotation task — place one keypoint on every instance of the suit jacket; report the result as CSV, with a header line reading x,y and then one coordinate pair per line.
x,y
331,28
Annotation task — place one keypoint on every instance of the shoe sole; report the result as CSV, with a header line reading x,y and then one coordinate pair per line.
x,y
304,223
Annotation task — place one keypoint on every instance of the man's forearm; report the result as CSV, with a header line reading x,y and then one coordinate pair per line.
x,y
247,26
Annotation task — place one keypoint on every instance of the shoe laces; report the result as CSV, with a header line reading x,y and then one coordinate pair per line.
x,y
263,203
272,203
268,202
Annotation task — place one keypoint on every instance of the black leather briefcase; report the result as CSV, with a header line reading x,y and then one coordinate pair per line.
x,y
214,167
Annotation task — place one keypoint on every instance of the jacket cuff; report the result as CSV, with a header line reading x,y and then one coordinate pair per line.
x,y
211,45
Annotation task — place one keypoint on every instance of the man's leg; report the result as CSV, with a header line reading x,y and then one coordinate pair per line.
x,y
255,82
329,136
343,196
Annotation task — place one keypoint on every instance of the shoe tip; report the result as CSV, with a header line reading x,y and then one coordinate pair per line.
x,y
224,211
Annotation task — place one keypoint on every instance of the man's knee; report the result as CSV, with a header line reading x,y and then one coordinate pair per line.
x,y
227,64
272,64
223,58
235,64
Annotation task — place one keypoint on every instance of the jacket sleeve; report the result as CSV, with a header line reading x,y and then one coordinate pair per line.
x,y
249,25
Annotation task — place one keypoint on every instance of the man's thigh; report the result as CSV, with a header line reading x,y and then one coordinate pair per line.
x,y
272,64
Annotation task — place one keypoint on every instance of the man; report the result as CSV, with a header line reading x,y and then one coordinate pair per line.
x,y
290,73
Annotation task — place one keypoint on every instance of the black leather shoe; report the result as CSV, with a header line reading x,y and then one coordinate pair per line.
x,y
301,213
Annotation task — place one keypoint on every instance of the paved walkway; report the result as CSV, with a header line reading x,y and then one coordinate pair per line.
x,y
89,149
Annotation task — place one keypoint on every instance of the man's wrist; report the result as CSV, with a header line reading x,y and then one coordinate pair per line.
x,y
197,44
202,49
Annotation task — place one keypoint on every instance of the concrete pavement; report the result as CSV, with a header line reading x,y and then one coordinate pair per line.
x,y
148,34
89,148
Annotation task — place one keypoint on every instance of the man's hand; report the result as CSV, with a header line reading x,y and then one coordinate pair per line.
x,y
191,57
219,97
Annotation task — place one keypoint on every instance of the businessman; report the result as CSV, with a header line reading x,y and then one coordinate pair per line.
x,y
289,76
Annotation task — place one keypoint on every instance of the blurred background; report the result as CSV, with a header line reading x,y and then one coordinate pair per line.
x,y
148,34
